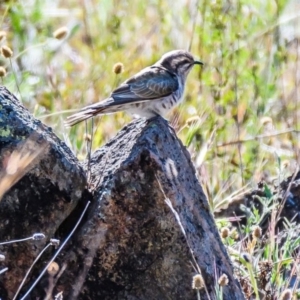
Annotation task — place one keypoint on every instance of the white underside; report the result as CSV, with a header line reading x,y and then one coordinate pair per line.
x,y
152,108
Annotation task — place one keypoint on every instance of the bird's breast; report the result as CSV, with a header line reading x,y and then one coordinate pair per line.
x,y
160,106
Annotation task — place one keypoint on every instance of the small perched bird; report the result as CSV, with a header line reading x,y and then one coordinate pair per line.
x,y
151,92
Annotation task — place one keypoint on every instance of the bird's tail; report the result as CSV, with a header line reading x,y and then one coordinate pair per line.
x,y
85,113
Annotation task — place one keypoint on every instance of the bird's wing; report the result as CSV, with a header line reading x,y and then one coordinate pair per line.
x,y
151,83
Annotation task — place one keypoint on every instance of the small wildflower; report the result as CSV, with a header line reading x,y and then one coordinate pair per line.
x,y
53,268
286,295
223,280
198,282
256,232
6,51
61,33
2,72
247,257
2,35
118,68
224,232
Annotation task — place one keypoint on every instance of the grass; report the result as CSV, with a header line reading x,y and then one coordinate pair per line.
x,y
240,112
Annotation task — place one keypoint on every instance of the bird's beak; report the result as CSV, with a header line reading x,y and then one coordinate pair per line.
x,y
198,62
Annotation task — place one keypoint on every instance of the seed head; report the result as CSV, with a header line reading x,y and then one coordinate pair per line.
x,y
61,33
118,68
223,280
247,257
234,234
256,232
55,242
198,282
2,72
2,35
266,121
285,164
224,232
38,236
286,295
87,137
6,51
53,269
192,120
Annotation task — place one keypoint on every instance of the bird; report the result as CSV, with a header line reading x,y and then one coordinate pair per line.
x,y
153,91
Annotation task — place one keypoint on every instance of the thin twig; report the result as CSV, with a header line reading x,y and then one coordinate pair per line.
x,y
3,270
89,150
177,217
18,241
238,125
57,252
27,273
53,282
295,143
16,79
194,24
287,193
58,113
262,136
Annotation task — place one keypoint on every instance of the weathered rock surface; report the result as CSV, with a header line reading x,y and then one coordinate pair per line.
x,y
148,228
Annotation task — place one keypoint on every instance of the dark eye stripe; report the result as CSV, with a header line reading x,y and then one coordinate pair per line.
x,y
183,62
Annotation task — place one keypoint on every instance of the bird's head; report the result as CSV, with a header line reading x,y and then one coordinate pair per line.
x,y
179,62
